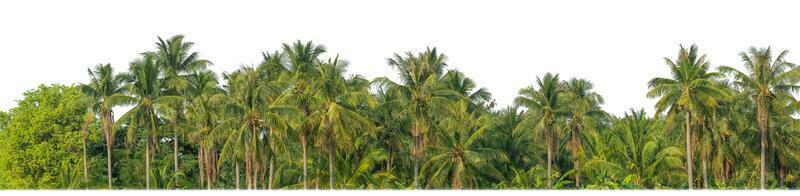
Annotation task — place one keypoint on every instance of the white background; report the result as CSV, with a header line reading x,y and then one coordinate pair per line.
x,y
502,45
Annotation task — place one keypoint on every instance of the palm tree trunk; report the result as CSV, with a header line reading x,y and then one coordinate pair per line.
x,y
331,155
576,141
200,168
415,150
175,148
705,173
107,122
548,137
305,161
763,126
147,163
85,166
108,161
688,150
703,152
271,160
237,175
271,167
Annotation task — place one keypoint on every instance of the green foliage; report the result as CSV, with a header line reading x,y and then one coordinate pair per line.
x,y
297,121
41,139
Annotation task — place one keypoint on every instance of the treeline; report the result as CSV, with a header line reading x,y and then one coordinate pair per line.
x,y
296,121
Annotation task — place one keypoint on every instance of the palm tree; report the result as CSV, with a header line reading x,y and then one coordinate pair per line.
x,y
337,117
690,90
84,129
302,60
460,160
583,110
145,83
202,118
543,106
420,76
768,80
248,112
106,90
176,61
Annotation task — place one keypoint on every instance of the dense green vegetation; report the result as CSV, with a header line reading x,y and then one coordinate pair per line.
x,y
296,121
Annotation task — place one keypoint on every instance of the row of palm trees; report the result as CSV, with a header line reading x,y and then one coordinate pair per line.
x,y
436,127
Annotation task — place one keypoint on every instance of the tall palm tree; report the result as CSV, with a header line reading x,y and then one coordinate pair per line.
x,y
583,110
87,120
248,114
302,59
202,118
420,76
145,85
768,79
176,61
107,90
338,119
543,105
690,89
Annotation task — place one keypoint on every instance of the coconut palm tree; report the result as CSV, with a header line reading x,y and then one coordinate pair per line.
x,y
106,90
767,79
145,85
176,62
338,118
202,118
583,110
420,75
459,161
690,90
543,107
248,114
302,58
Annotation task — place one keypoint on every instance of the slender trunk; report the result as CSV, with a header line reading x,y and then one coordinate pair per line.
x,y
147,163
688,150
763,125
175,149
237,175
209,169
576,149
200,168
85,166
305,161
389,158
415,150
107,133
703,151
271,159
548,137
331,155
271,167
705,173
247,170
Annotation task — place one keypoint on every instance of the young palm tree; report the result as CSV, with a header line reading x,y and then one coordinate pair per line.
x,y
583,110
768,80
176,62
107,90
543,105
690,90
